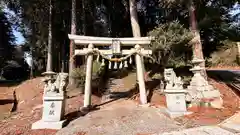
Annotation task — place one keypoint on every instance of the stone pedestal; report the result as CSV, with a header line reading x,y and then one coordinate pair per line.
x,y
199,89
48,125
53,111
176,103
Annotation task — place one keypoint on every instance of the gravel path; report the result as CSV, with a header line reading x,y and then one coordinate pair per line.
x,y
123,117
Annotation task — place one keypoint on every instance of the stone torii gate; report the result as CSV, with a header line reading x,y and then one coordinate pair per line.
x,y
115,44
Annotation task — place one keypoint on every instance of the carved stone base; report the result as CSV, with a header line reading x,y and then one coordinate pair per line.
x,y
200,89
173,114
193,94
48,125
175,99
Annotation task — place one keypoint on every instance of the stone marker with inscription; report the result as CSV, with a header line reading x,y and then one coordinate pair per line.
x,y
53,102
175,98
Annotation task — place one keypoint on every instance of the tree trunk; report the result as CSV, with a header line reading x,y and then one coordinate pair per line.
x,y
84,27
49,57
33,44
72,45
197,45
136,31
138,58
83,18
134,19
63,68
31,67
238,54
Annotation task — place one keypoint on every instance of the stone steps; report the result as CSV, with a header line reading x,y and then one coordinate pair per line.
x,y
114,86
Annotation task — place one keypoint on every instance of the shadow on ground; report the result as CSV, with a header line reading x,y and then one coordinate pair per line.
x,y
113,96
229,77
226,76
82,112
9,83
6,101
150,86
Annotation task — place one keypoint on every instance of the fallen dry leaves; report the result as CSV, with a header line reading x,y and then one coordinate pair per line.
x,y
211,116
29,96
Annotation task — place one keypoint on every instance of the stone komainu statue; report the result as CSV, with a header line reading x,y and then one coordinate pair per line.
x,y
55,83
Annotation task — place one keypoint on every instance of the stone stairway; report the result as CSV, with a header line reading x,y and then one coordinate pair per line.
x,y
118,87
114,90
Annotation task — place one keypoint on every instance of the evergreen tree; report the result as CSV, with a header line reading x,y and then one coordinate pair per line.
x,y
6,38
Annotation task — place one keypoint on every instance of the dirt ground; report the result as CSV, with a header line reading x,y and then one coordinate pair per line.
x,y
210,116
29,97
225,67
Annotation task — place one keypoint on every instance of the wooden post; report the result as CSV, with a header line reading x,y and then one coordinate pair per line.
x,y
140,77
88,82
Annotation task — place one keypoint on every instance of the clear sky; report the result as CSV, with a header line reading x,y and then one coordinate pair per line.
x,y
19,38
236,9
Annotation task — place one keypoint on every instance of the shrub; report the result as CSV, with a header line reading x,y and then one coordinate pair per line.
x,y
14,70
78,74
170,45
226,55
97,69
